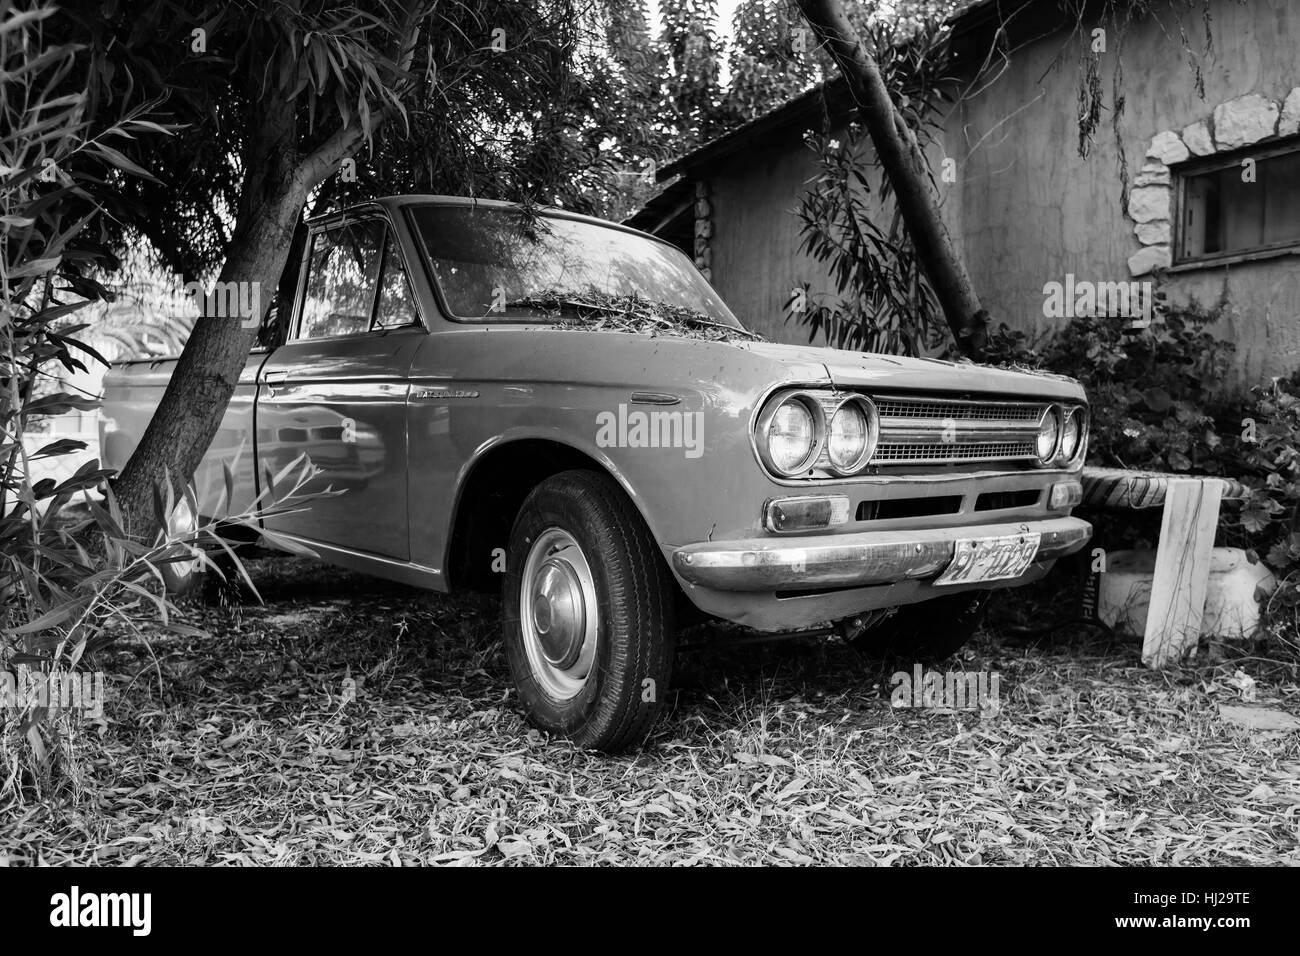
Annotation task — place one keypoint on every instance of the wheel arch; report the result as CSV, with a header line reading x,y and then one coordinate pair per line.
x,y
491,490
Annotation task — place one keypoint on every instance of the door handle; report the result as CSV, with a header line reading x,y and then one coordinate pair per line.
x,y
275,380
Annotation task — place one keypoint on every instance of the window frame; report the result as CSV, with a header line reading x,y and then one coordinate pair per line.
x,y
1200,165
333,224
390,241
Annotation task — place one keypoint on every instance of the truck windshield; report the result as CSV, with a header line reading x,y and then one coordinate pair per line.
x,y
495,263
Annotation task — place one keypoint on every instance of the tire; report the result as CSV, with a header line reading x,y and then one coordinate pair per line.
x,y
929,631
580,547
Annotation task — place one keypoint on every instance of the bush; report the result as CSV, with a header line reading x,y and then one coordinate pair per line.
x,y
67,567
1270,465
1155,394
1158,403
60,579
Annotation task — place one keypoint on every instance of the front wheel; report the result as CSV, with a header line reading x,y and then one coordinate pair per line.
x,y
587,613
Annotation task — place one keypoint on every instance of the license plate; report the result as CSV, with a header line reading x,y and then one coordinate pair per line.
x,y
990,559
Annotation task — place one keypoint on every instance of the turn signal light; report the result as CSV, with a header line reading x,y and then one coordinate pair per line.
x,y
805,512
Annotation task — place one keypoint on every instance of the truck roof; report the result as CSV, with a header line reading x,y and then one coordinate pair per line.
x,y
393,203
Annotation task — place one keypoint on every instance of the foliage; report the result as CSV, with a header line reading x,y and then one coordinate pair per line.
x,y
638,140
882,300
503,98
220,68
1099,30
774,57
67,568
692,93
1270,439
1155,391
47,144
556,102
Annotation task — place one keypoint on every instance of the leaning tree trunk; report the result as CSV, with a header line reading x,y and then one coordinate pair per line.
x,y
190,412
277,181
904,163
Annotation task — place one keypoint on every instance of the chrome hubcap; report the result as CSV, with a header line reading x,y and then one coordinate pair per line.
x,y
557,614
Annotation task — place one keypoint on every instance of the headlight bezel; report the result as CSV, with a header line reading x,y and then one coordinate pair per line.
x,y
760,432
1054,413
872,417
1081,443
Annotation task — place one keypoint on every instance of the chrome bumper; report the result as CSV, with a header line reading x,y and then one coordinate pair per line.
x,y
863,559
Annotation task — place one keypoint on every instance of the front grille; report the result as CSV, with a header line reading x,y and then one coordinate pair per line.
x,y
923,430
910,409
937,451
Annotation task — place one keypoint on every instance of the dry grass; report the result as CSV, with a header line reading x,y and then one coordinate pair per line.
x,y
240,749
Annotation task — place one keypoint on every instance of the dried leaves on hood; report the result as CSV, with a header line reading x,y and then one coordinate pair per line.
x,y
592,310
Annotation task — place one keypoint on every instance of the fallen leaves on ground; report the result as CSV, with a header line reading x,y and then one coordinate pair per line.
x,y
381,729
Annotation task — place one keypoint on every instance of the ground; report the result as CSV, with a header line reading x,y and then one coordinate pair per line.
x,y
243,745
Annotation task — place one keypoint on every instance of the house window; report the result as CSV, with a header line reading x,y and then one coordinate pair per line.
x,y
1222,213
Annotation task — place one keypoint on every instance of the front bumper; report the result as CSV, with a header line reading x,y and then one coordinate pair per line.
x,y
861,559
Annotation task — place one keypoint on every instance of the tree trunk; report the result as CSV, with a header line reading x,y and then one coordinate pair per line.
x,y
277,182
190,412
904,163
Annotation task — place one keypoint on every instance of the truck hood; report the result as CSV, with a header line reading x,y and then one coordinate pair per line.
x,y
871,370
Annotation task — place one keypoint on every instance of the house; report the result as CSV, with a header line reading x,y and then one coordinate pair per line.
x,y
1208,209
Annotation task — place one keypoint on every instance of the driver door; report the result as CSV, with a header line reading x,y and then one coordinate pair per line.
x,y
338,390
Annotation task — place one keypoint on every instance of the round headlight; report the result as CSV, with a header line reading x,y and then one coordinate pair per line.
x,y
1071,434
851,437
791,436
1049,435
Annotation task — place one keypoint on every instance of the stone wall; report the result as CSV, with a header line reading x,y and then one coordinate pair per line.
x,y
1244,121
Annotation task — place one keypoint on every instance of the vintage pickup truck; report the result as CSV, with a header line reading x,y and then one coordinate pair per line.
x,y
564,408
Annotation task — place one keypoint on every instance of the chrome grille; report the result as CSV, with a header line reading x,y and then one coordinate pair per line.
x,y
977,451
960,411
926,430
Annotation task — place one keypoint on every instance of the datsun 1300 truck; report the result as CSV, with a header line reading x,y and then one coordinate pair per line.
x,y
564,409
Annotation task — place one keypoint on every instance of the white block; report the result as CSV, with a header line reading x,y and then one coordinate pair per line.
x,y
1231,611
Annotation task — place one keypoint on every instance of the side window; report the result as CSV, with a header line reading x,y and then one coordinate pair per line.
x,y
341,278
395,306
